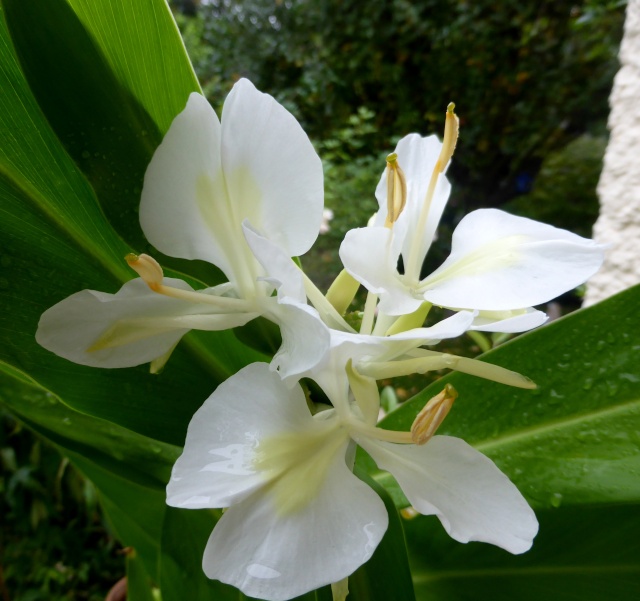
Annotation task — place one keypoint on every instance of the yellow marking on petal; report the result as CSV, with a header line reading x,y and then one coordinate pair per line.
x,y
295,464
432,415
494,255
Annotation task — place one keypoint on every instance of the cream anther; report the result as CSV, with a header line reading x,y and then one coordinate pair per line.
x,y
432,415
450,138
147,268
396,190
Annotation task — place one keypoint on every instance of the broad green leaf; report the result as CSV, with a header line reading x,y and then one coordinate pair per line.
x,y
129,471
581,553
120,451
55,240
139,587
387,574
574,440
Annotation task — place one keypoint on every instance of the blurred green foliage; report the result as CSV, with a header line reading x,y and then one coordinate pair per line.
x,y
527,77
53,543
564,192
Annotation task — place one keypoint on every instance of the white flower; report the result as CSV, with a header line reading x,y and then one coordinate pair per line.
x,y
298,518
211,190
500,265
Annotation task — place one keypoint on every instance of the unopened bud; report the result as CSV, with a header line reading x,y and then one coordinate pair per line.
x,y
396,190
432,415
147,268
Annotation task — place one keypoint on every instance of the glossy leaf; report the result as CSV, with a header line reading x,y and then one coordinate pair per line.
x,y
574,440
387,574
586,553
129,471
54,237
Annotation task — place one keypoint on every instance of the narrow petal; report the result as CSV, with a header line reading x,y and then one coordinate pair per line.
x,y
217,466
501,262
280,268
275,555
509,322
417,156
305,339
472,498
184,209
370,255
273,174
132,327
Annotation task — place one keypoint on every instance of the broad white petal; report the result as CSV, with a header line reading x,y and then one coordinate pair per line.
x,y
501,262
276,555
132,327
472,498
273,174
509,322
370,255
217,466
281,270
184,208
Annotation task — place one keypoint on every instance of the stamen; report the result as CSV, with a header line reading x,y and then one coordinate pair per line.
x,y
151,272
147,268
450,137
432,415
396,190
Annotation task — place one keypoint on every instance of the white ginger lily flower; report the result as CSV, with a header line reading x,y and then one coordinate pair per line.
x,y
210,189
500,265
298,518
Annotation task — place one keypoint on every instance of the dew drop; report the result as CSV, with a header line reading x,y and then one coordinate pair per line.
x,y
556,499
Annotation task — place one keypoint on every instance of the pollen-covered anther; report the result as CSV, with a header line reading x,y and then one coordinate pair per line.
x,y
450,138
396,190
147,268
432,415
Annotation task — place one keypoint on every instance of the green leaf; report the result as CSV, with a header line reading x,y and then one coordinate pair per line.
x,y
54,237
129,471
581,553
575,439
139,586
387,574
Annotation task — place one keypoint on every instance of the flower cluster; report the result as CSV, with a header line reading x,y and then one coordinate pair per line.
x,y
245,193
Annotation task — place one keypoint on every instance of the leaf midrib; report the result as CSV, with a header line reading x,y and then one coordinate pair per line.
x,y
560,424
526,571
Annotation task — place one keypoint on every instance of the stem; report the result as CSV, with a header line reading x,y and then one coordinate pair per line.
x,y
327,311
369,311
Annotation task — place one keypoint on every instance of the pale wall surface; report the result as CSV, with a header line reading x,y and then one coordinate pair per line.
x,y
619,186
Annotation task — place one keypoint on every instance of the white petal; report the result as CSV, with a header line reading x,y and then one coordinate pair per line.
x,y
184,208
273,174
279,266
276,555
370,255
217,466
132,327
501,262
472,498
509,322
305,339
